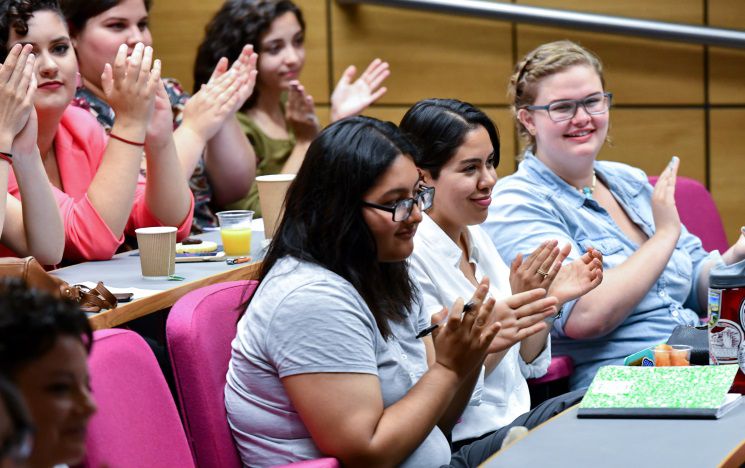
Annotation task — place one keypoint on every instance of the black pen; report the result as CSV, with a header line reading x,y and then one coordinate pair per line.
x,y
467,307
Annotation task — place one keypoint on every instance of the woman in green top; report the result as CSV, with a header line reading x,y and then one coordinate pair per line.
x,y
279,128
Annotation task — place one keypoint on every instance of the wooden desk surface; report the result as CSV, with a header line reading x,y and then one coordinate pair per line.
x,y
123,271
163,300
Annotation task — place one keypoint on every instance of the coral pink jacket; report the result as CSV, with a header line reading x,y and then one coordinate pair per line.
x,y
80,144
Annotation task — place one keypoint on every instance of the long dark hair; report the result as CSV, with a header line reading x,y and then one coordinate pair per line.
x,y
237,23
323,220
15,14
31,321
439,126
78,12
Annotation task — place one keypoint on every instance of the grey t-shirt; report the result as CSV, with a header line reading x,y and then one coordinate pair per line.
x,y
306,319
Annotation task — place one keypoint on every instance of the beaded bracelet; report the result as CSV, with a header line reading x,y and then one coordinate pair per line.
x,y
7,157
124,140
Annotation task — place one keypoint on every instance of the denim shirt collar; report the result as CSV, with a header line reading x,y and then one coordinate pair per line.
x,y
625,187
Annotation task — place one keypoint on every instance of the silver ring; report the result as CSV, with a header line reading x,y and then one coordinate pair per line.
x,y
542,273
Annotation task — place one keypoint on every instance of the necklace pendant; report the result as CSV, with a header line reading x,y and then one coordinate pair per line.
x,y
587,192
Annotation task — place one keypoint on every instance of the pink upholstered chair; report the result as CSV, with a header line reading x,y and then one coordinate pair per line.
x,y
699,213
199,330
137,423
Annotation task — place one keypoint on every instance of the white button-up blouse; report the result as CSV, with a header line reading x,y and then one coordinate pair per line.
x,y
435,265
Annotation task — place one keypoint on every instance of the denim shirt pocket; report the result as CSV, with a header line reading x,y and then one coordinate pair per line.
x,y
682,262
607,246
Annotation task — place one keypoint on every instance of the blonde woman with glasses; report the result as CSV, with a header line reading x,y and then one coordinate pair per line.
x,y
655,271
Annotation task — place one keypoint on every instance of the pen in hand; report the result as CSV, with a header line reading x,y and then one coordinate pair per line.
x,y
468,307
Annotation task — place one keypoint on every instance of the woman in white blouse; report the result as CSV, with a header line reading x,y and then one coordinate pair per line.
x,y
458,154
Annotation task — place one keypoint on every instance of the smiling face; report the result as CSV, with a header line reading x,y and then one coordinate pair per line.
x,y
282,53
572,144
56,390
464,184
394,240
99,40
56,66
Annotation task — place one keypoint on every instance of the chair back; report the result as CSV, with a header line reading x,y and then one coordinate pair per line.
x,y
137,423
699,213
199,331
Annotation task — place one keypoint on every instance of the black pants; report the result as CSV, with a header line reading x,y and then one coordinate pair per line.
x,y
473,452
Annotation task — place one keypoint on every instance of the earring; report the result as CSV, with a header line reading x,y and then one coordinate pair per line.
x,y
78,80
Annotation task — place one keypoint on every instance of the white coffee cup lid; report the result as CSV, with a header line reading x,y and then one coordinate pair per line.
x,y
155,230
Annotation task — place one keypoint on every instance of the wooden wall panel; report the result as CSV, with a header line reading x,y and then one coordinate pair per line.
x,y
678,11
637,71
648,138
727,66
315,75
728,167
178,29
431,55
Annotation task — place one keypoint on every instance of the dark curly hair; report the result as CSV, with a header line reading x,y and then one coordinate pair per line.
x,y
14,14
237,23
78,12
31,321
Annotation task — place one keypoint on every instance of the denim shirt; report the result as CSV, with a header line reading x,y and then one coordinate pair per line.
x,y
534,204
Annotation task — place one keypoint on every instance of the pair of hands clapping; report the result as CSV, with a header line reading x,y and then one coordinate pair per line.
x,y
18,122
350,97
223,95
134,90
544,269
462,343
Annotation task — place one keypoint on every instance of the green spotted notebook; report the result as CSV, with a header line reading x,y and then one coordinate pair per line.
x,y
660,392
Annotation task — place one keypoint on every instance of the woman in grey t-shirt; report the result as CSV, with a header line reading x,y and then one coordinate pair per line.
x,y
327,360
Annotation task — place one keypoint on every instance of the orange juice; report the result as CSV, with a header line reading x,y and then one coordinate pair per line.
x,y
236,242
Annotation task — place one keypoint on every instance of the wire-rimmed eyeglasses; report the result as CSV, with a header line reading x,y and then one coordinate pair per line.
x,y
402,209
565,109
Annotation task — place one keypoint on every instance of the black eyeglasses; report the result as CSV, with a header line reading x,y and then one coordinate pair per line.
x,y
402,209
566,109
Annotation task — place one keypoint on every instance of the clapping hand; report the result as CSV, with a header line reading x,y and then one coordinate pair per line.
x,y
222,96
130,86
539,269
578,277
521,315
17,87
160,128
664,210
462,342
352,97
245,68
301,112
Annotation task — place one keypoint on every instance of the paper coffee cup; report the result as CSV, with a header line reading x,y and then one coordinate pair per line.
x,y
272,190
157,251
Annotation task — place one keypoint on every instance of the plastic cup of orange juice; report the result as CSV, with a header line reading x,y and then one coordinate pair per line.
x,y
672,355
235,230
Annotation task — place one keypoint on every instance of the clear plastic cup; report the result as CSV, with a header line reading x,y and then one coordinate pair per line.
x,y
235,230
672,355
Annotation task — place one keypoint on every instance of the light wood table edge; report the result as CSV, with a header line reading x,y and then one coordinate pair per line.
x,y
500,451
163,300
736,458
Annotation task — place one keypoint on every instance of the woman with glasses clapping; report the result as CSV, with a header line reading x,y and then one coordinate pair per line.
x,y
328,357
655,271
